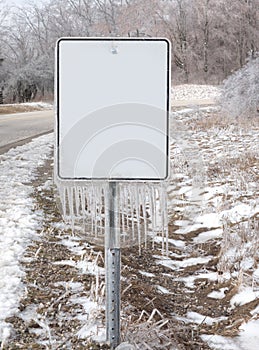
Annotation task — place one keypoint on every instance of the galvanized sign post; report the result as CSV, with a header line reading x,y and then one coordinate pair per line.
x,y
112,264
113,103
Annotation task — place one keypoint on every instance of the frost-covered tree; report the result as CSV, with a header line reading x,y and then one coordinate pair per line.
x,y
141,18
3,35
210,39
240,96
29,54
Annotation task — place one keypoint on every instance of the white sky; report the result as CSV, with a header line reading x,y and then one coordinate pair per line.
x,y
21,2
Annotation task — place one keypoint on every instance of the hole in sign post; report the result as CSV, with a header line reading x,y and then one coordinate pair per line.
x,y
112,146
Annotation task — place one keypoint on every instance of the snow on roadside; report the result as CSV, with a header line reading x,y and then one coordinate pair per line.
x,y
40,105
19,220
192,91
19,224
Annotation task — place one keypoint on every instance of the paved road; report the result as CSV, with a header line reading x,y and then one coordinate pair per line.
x,y
16,129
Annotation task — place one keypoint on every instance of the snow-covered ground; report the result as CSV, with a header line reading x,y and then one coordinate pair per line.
x,y
19,221
195,92
37,105
21,224
248,338
42,105
213,201
222,208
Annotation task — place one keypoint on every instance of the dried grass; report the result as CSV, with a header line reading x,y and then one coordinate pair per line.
x,y
239,253
150,331
16,108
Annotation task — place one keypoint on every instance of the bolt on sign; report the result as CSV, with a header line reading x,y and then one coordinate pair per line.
x,y
113,109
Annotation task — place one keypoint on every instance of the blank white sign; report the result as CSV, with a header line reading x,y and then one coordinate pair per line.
x,y
112,108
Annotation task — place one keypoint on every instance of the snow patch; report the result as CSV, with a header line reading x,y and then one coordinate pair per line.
x,y
177,243
193,91
172,264
248,338
163,290
243,297
208,235
147,274
190,280
218,294
199,318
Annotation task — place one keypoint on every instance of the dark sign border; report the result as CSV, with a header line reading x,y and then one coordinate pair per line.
x,y
168,43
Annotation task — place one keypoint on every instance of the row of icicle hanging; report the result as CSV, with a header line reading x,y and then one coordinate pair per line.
x,y
142,209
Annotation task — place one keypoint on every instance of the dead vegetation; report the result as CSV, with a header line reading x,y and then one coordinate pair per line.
x,y
19,108
156,303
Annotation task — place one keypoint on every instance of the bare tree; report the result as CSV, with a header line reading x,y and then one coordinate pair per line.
x,y
177,19
86,15
140,18
109,11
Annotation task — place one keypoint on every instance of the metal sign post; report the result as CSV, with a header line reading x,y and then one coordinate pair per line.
x,y
112,262
112,125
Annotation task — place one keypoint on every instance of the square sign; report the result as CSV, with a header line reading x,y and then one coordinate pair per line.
x,y
113,108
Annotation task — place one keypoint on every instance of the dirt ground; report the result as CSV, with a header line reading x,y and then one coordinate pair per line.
x,y
42,278
150,317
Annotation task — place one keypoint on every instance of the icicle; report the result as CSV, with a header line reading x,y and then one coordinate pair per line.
x,y
106,207
91,209
126,194
122,212
63,200
144,211
102,211
70,193
131,199
128,214
150,209
165,212
77,201
161,207
98,223
83,208
154,219
82,200
138,218
95,211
